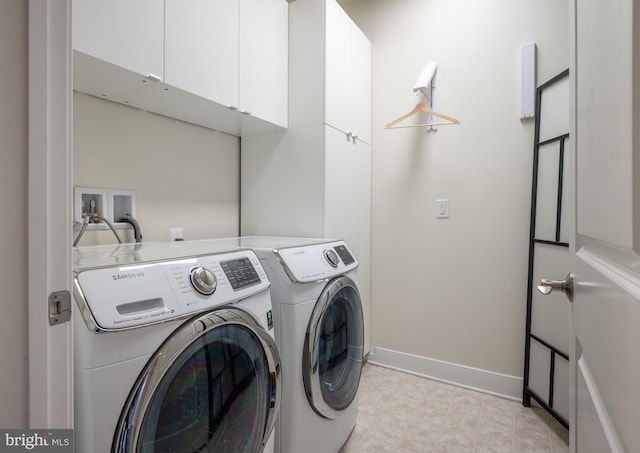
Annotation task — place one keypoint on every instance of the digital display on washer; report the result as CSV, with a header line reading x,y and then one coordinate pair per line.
x,y
240,273
344,254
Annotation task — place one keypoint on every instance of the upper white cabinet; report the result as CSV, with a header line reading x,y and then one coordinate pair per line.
x,y
221,64
348,75
126,33
201,48
231,52
264,62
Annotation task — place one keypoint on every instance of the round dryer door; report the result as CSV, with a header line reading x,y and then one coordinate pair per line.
x,y
334,343
214,385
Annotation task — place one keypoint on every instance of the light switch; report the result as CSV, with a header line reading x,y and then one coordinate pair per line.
x,y
442,208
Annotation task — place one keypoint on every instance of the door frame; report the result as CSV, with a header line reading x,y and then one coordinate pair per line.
x,y
49,211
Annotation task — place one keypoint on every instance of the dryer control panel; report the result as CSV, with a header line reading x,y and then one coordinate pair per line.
x,y
311,263
115,298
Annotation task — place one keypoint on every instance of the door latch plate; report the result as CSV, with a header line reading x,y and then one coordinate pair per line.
x,y
59,307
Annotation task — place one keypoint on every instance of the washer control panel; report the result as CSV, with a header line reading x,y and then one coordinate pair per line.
x,y
114,298
310,263
240,272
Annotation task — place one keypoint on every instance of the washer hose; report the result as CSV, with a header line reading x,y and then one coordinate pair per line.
x,y
134,223
95,217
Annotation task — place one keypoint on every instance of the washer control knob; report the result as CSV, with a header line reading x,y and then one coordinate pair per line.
x,y
203,280
332,257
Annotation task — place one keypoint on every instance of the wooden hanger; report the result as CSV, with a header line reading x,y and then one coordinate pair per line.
x,y
423,107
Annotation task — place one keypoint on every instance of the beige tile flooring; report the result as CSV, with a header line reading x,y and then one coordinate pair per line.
x,y
403,413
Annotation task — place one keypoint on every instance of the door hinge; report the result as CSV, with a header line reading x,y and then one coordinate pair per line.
x,y
59,307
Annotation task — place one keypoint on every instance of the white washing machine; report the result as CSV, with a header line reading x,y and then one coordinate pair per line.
x,y
320,335
174,350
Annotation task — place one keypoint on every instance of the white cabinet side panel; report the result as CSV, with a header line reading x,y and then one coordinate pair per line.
x,y
282,191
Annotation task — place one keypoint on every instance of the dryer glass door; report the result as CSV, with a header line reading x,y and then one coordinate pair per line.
x,y
213,386
332,361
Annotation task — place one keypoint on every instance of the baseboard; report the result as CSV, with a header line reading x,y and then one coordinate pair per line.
x,y
497,384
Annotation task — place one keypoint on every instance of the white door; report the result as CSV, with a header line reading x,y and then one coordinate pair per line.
x,y
50,345
605,403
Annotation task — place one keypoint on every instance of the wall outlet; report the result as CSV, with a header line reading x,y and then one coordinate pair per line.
x,y
176,234
442,208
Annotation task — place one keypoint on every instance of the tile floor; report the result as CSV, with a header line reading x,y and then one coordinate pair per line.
x,y
402,413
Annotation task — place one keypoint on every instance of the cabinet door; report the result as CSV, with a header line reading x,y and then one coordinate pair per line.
x,y
347,207
338,79
264,59
201,48
129,34
361,86
348,75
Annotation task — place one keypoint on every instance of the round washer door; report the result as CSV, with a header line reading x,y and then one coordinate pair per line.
x,y
334,343
214,385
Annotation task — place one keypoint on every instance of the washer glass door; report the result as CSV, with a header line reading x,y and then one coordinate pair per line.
x,y
334,343
213,386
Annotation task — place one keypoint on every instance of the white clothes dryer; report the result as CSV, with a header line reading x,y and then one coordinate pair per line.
x,y
319,331
174,350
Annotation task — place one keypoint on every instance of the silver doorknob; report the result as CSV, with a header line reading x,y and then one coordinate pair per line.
x,y
566,286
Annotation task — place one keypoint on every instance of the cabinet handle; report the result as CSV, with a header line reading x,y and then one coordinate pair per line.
x,y
244,112
232,107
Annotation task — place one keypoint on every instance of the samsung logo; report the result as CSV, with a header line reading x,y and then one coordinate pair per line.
x,y
127,276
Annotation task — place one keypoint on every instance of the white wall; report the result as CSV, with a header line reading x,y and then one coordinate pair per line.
x,y
13,221
184,175
455,289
